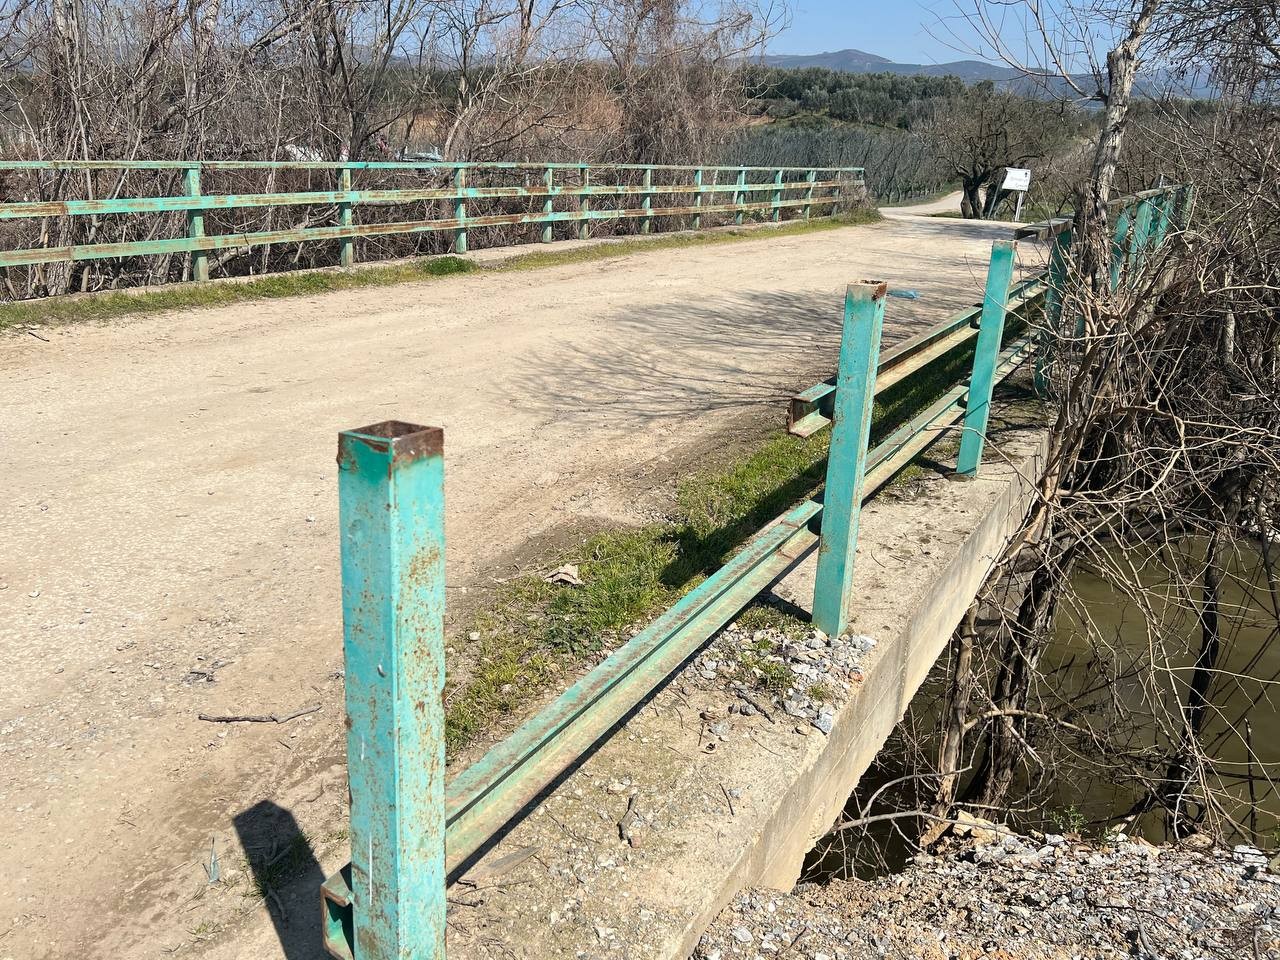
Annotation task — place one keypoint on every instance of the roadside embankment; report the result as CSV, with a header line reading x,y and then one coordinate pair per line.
x,y
1015,897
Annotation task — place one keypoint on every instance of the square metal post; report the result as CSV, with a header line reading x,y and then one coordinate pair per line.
x,y
846,461
810,178
195,226
548,205
1120,246
777,196
646,202
460,210
584,202
347,246
739,195
977,407
1141,233
1053,296
391,515
697,199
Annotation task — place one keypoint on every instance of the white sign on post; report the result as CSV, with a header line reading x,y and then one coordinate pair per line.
x,y
1016,178
1019,179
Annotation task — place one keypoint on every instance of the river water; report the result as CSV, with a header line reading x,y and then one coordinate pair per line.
x,y
1120,663
1128,675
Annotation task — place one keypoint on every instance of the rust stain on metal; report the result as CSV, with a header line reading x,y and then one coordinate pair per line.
x,y
405,441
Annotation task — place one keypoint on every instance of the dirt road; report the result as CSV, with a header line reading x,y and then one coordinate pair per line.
x,y
168,535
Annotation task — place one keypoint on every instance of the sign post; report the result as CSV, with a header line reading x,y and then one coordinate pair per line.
x,y
1019,179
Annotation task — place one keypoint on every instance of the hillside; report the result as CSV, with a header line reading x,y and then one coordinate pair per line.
x,y
1152,83
859,61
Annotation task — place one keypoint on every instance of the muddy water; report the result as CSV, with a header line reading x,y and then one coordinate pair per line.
x,y
1155,643
1108,684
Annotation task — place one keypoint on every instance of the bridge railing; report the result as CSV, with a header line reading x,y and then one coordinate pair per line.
x,y
1140,224
410,830
116,210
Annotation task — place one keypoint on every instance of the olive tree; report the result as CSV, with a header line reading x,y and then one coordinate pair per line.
x,y
983,130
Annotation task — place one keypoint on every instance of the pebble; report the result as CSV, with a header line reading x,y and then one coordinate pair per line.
x,y
825,720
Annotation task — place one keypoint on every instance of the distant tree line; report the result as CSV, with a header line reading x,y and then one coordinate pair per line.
x,y
879,99
899,164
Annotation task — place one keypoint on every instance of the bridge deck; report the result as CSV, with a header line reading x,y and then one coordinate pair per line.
x,y
170,511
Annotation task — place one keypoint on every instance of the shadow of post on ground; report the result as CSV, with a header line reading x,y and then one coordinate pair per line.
x,y
286,875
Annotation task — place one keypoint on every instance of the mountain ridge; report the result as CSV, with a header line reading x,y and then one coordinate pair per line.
x,y
851,60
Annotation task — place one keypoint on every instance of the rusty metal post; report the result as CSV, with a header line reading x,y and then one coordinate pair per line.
x,y
584,203
646,202
460,210
846,461
391,514
697,199
195,226
347,246
548,205
977,407
739,194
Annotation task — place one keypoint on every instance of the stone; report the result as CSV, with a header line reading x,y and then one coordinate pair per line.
x,y
825,720
982,831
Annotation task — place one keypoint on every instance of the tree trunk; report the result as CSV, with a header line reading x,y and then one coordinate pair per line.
x,y
971,199
1178,779
954,718
1091,206
1029,634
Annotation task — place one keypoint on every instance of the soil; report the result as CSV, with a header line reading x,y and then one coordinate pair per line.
x,y
168,534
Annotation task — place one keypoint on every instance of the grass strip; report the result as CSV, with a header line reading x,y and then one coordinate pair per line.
x,y
535,632
113,306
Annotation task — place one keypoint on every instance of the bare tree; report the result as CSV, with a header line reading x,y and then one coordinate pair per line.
x,y
586,80
983,130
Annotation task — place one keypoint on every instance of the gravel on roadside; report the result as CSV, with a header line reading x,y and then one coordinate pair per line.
x,y
1021,898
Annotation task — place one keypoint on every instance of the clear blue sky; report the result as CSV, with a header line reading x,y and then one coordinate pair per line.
x,y
907,31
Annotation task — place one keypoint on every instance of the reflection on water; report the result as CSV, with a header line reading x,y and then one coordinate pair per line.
x,y
1121,663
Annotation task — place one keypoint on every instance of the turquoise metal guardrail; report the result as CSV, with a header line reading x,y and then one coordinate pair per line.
x,y
362,901
1141,223
389,902
468,194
